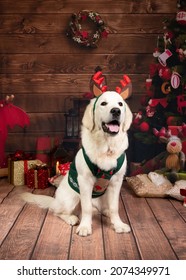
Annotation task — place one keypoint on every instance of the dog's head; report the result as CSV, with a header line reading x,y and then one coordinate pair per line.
x,y
109,113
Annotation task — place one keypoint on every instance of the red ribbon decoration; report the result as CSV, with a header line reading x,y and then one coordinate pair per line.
x,y
161,101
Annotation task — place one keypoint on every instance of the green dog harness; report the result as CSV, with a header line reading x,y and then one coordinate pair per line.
x,y
103,177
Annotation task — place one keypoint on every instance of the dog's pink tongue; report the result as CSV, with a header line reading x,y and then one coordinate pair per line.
x,y
112,127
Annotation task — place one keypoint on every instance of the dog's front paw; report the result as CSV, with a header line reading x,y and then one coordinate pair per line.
x,y
121,228
69,219
73,220
84,230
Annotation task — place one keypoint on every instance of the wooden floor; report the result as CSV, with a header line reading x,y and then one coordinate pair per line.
x,y
28,232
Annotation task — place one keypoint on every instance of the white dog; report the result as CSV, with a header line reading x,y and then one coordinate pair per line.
x,y
98,168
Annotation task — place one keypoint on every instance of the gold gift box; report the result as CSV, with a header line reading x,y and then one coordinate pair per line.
x,y
17,170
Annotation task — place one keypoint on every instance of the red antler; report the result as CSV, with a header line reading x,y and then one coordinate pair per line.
x,y
98,82
126,87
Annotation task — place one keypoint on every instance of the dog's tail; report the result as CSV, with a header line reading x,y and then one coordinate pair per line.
x,y
42,201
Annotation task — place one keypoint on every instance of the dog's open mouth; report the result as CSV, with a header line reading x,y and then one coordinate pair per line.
x,y
111,127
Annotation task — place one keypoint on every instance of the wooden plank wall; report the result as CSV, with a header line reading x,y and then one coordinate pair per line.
x,y
41,66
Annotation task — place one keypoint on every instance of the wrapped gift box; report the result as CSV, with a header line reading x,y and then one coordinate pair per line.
x,y
37,177
17,170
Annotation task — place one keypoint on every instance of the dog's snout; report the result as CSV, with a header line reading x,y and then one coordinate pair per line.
x,y
115,112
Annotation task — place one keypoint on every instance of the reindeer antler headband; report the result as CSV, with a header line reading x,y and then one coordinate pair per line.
x,y
98,85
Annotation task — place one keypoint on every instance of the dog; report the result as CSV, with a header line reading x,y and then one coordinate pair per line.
x,y
98,169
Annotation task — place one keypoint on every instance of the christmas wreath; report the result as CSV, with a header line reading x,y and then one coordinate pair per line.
x,y
83,37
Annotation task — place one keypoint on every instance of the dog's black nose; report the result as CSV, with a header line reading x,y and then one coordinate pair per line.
x,y
115,112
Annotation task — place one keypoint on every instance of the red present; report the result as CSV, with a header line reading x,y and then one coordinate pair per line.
x,y
37,177
44,147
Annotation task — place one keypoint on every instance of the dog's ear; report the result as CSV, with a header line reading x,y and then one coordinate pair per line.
x,y
128,118
88,118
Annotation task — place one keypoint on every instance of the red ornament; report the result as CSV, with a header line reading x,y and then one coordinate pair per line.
x,y
144,126
165,73
169,35
175,80
181,17
150,111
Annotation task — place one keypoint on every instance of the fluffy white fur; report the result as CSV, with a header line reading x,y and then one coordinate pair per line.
x,y
103,149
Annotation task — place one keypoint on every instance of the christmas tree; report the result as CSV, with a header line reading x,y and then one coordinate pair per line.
x,y
164,103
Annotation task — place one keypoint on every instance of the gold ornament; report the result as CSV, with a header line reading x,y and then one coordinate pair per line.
x,y
166,88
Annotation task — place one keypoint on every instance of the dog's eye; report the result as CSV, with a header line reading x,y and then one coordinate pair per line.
x,y
120,104
103,103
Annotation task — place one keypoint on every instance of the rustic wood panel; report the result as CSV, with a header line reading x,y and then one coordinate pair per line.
x,y
68,64
61,83
4,189
179,207
40,43
58,23
70,6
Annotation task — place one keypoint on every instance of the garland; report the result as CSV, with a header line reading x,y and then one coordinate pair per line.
x,y
83,37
